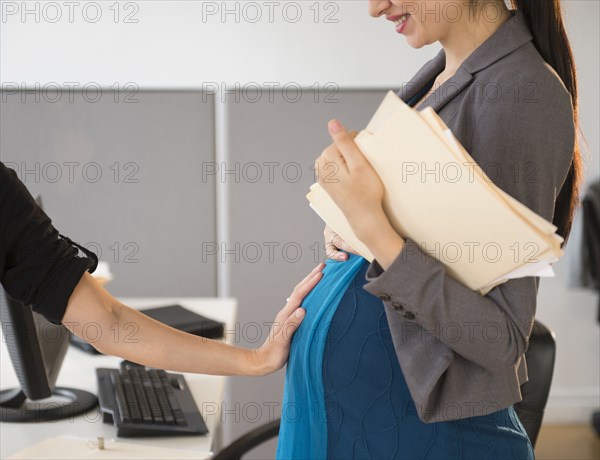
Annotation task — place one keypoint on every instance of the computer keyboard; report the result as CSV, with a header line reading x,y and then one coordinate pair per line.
x,y
148,402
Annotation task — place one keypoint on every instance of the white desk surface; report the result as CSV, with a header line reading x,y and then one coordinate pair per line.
x,y
78,372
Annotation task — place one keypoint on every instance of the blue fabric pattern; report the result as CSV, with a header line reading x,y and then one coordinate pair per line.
x,y
370,413
303,431
345,396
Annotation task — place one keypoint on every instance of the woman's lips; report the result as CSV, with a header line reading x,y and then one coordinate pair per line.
x,y
402,24
400,21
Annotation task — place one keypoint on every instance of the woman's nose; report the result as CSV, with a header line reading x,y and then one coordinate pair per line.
x,y
378,7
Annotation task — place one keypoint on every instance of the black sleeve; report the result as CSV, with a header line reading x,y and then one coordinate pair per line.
x,y
38,266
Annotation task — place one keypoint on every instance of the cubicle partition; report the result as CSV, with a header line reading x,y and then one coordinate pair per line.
x,y
187,194
119,173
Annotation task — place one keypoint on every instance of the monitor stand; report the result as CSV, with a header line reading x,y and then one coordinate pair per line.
x,y
15,408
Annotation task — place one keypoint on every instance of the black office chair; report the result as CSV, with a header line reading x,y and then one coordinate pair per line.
x,y
540,357
249,441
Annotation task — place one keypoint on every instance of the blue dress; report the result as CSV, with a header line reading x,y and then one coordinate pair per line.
x,y
345,396
370,412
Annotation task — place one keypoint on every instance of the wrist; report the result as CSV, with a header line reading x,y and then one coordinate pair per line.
x,y
382,240
256,364
370,229
251,363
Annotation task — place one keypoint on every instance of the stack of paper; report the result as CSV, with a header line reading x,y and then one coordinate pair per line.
x,y
436,195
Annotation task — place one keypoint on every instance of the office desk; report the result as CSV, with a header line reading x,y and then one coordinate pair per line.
x,y
78,371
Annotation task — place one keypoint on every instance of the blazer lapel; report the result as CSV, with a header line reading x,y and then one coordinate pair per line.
x,y
513,34
429,70
444,92
447,90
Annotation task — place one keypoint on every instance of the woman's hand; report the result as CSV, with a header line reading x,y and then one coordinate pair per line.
x,y
350,180
273,354
335,247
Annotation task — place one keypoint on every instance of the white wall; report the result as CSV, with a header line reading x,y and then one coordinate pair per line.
x,y
173,46
572,312
179,44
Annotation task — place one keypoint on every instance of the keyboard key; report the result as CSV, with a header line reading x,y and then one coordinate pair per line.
x,y
141,396
161,396
147,402
152,401
120,397
136,416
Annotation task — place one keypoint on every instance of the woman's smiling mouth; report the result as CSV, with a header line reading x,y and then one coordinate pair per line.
x,y
400,21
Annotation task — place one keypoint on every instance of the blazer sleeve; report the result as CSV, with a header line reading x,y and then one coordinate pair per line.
x,y
529,145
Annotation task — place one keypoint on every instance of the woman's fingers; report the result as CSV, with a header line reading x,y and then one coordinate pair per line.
x,y
291,314
305,286
274,353
308,277
290,326
298,294
335,253
340,249
277,347
335,247
345,247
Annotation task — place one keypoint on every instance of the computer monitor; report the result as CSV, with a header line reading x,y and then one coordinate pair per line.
x,y
36,348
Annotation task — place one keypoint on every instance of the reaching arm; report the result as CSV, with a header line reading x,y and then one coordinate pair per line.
x,y
155,344
41,269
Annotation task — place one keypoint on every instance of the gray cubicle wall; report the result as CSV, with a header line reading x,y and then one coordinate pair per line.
x,y
272,212
165,141
120,174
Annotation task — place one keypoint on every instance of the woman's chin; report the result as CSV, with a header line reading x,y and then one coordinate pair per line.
x,y
415,42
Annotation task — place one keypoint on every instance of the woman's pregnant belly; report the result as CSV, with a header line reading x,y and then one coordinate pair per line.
x,y
345,396
369,409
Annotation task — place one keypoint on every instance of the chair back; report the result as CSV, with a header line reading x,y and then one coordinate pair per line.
x,y
540,357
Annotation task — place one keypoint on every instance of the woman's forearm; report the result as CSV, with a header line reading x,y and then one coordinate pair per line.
x,y
157,345
381,239
122,331
116,329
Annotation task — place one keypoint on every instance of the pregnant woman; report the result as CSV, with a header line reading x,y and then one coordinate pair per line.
x,y
395,359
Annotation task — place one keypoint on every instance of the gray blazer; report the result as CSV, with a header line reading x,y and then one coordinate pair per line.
x,y
462,354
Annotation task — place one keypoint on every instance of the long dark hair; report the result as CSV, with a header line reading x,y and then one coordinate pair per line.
x,y
545,21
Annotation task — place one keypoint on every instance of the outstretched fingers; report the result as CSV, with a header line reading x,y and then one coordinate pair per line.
x,y
292,313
